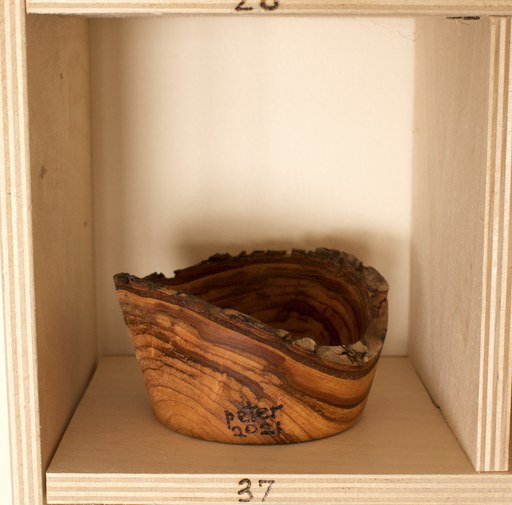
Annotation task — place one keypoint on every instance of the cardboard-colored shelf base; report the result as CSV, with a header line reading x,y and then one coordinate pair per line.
x,y
115,451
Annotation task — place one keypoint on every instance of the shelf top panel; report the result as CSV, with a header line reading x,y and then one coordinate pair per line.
x,y
114,431
272,7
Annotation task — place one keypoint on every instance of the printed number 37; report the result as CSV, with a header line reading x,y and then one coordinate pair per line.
x,y
247,489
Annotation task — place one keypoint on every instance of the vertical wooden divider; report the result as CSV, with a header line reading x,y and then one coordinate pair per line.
x,y
17,279
461,285
47,267
61,175
495,348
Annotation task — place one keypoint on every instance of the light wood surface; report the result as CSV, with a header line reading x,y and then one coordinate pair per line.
x,y
18,329
60,158
292,488
402,451
375,7
495,346
460,275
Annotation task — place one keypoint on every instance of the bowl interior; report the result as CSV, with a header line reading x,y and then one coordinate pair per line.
x,y
331,307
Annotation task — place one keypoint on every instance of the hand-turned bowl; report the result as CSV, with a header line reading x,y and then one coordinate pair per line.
x,y
261,348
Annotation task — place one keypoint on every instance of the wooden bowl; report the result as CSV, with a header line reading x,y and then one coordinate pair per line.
x,y
261,348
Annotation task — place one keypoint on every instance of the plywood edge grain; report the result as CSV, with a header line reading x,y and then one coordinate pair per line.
x,y
495,348
18,314
286,488
348,7
461,257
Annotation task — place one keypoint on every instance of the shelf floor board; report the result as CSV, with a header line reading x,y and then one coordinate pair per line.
x,y
114,451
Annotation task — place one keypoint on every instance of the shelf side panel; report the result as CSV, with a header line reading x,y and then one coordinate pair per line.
x,y
60,155
460,242
272,7
17,311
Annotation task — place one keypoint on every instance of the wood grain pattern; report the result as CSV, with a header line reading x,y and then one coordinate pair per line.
x,y
460,277
350,7
60,159
335,489
17,318
448,216
401,452
259,348
496,329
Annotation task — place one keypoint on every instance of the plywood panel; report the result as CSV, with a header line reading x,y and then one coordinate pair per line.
x,y
393,7
495,347
401,451
461,222
58,86
18,324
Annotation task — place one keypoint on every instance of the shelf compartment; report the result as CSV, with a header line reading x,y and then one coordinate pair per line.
x,y
115,451
46,380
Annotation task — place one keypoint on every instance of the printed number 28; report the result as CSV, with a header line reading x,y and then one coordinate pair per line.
x,y
263,4
247,489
